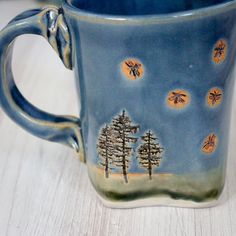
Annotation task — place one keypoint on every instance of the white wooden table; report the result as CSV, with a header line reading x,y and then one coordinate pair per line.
x,y
45,190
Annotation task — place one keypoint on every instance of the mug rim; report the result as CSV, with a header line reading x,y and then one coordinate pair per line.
x,y
152,18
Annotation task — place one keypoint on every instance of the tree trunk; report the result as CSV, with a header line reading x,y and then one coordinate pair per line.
x,y
149,157
150,173
125,177
125,171
106,169
124,156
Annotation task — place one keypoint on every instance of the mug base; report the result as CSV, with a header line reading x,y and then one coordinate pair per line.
x,y
183,191
160,201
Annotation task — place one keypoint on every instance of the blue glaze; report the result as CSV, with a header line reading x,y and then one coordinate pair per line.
x,y
175,55
142,7
173,46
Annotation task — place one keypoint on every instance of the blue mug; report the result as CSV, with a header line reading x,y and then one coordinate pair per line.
x,y
155,81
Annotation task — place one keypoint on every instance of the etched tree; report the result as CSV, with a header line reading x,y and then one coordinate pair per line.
x,y
149,152
105,148
123,130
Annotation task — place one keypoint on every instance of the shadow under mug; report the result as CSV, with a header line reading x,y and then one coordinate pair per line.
x,y
155,81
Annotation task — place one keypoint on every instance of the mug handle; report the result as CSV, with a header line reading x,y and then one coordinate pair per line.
x,y
51,24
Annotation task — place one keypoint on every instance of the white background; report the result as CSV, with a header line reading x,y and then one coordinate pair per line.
x,y
45,190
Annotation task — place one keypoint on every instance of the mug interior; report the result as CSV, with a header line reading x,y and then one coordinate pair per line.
x,y
142,7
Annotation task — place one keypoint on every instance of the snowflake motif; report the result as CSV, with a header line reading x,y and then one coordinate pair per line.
x,y
214,97
220,51
177,97
132,69
210,144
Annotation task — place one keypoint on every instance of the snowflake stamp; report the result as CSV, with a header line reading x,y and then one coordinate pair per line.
x,y
210,144
178,99
220,51
132,69
214,97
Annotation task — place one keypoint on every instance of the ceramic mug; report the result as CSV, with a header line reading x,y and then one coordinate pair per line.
x,y
155,81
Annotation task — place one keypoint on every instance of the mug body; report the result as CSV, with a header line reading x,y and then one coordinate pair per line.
x,y
156,96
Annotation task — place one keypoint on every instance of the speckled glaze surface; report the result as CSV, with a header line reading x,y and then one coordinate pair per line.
x,y
155,83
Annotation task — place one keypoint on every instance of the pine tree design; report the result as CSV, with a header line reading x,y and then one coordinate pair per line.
x,y
123,130
105,148
150,152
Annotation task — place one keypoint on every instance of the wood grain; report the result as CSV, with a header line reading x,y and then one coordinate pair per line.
x,y
45,190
